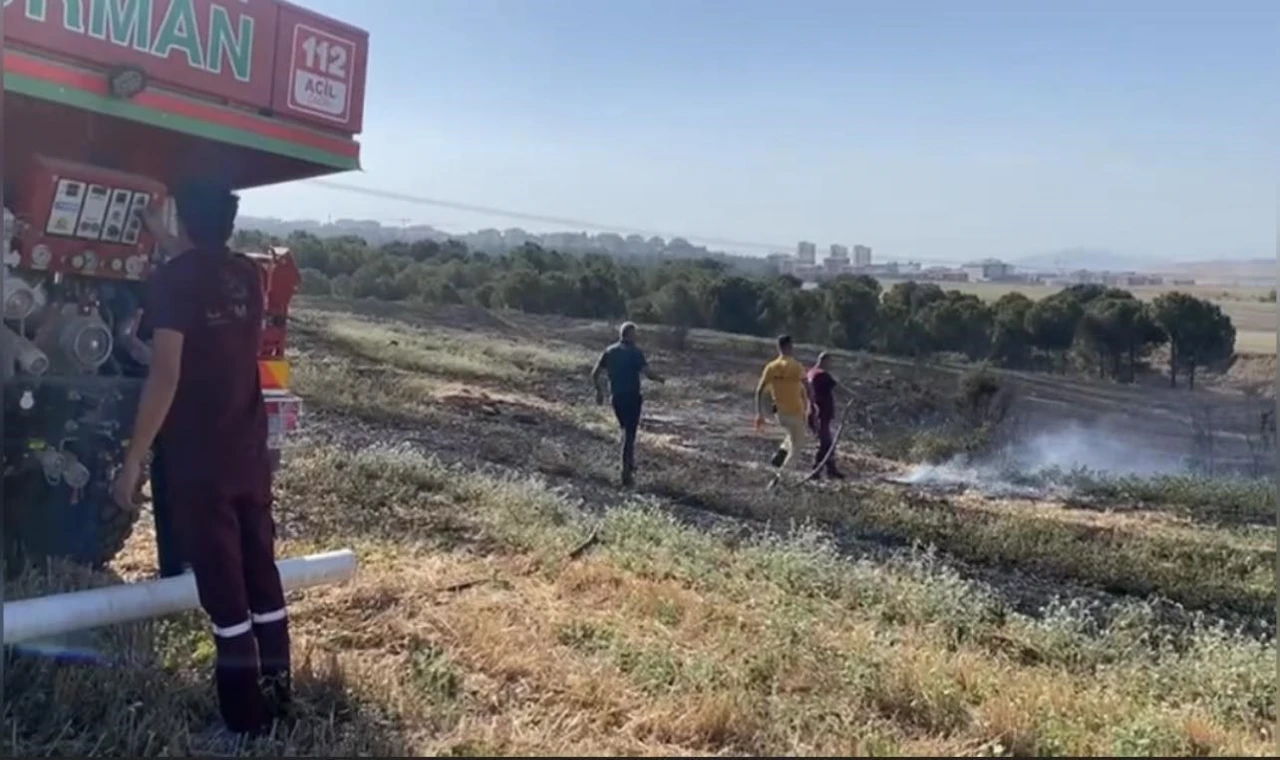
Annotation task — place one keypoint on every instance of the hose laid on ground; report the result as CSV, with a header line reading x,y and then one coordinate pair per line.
x,y
835,439
596,538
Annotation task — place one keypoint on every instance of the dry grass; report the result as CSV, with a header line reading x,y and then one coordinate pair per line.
x,y
447,352
664,641
1256,342
476,628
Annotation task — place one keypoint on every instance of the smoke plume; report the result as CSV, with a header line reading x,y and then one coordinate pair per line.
x,y
1038,461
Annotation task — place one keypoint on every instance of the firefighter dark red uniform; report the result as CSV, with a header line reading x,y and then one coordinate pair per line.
x,y
218,477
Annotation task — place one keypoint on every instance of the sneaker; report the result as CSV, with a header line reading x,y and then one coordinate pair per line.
x,y
836,475
628,480
779,457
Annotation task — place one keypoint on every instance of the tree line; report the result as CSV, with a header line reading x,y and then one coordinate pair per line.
x,y
1102,330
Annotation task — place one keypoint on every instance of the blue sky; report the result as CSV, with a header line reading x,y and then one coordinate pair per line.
x,y
938,130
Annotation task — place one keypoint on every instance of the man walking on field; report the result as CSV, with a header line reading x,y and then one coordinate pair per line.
x,y
784,379
822,412
203,399
624,362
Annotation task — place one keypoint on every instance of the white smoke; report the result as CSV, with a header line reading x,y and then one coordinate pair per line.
x,y
1041,461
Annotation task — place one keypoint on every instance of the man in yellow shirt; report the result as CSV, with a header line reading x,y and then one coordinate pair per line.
x,y
784,379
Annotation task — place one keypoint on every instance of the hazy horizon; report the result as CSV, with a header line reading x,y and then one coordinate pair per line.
x,y
916,128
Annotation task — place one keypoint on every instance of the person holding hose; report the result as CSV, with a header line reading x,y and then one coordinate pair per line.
x,y
202,398
784,379
822,412
625,363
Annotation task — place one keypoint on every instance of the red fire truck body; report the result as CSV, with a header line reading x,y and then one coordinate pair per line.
x,y
107,104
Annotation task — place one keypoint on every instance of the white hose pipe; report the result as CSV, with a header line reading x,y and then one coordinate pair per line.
x,y
44,616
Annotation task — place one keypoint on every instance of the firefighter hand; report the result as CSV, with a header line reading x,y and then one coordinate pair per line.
x,y
127,490
759,422
153,217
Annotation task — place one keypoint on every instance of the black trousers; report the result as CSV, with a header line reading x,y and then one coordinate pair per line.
x,y
626,407
821,425
169,554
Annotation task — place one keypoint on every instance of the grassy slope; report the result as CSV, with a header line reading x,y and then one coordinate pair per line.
x,y
476,628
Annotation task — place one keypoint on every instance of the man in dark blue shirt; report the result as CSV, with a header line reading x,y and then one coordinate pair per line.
x,y
624,362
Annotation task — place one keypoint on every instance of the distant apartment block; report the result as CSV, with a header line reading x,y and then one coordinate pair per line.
x,y
943,274
837,262
861,256
834,266
806,252
1135,280
1109,279
987,270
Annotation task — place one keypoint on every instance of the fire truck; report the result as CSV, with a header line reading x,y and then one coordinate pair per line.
x,y
107,104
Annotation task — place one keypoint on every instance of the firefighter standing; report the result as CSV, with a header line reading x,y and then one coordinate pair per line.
x,y
203,400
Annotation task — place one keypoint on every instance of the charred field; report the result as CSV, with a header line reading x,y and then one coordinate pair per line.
x,y
1017,565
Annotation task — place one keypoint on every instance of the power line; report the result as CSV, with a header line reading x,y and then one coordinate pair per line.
x,y
563,221
567,222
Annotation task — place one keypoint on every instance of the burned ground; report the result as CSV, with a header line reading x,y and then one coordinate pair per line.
x,y
513,600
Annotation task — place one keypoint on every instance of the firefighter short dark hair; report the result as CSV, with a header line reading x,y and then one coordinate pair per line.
x,y
784,342
207,211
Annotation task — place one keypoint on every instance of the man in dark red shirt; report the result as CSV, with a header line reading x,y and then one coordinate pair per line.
x,y
203,399
822,413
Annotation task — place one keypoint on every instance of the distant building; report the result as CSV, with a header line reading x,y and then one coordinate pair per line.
x,y
1137,280
1109,279
890,269
833,266
806,272
987,270
514,237
838,262
861,256
489,241
943,274
806,252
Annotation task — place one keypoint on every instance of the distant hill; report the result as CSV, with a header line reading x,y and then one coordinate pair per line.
x,y
1098,259
1243,269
